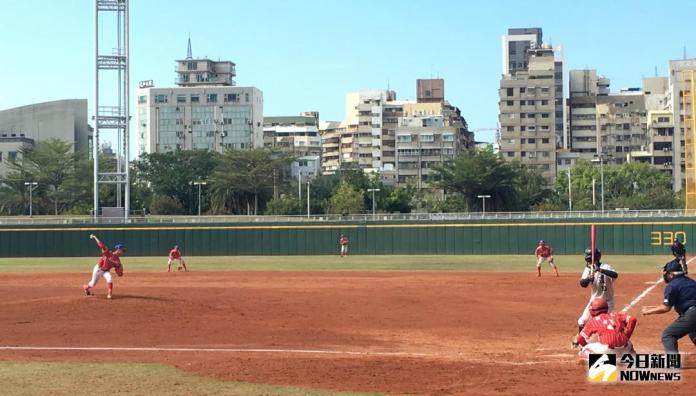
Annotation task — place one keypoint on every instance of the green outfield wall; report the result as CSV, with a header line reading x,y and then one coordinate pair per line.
x,y
427,237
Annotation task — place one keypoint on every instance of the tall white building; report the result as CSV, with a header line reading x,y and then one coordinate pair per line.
x,y
205,112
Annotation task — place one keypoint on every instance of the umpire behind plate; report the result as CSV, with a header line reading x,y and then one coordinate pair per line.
x,y
680,293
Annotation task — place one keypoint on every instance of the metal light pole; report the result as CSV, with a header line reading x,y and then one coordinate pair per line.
x,y
32,186
570,193
299,185
483,197
373,198
308,210
600,158
199,184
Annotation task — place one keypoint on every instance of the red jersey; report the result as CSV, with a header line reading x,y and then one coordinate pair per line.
x,y
175,253
543,251
614,329
343,240
108,260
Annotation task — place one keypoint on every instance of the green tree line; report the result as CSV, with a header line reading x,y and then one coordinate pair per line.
x,y
258,182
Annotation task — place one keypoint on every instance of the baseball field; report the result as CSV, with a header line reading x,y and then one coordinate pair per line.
x,y
318,325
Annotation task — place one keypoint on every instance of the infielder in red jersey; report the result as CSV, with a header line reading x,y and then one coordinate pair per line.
x,y
175,254
103,268
343,241
543,253
613,331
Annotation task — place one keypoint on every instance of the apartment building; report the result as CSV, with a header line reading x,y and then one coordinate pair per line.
x,y
422,142
206,111
528,126
682,100
373,135
298,135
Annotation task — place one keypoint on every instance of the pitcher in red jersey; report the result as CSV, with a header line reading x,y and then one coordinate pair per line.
x,y
109,259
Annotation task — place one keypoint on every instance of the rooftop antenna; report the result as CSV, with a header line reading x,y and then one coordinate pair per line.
x,y
684,51
189,55
655,71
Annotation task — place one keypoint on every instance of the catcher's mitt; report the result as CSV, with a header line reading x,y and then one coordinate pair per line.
x,y
119,271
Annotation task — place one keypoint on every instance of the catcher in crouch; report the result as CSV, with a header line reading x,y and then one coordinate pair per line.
x,y
612,331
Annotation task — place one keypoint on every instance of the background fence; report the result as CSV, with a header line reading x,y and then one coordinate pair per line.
x,y
490,236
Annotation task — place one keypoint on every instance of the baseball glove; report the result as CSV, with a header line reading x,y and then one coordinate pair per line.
x,y
119,271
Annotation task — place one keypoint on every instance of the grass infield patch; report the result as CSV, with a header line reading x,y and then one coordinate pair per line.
x,y
130,379
502,263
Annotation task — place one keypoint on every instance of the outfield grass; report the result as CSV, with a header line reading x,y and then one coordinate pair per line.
x,y
135,379
502,263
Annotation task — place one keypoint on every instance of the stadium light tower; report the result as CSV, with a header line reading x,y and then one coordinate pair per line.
x,y
111,100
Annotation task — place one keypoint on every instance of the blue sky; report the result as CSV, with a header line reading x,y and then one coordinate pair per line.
x,y
306,55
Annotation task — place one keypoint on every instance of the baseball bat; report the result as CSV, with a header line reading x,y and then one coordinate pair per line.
x,y
593,244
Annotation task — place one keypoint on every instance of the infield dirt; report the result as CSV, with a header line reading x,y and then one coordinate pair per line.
x,y
458,332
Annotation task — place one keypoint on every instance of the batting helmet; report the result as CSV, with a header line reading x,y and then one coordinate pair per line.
x,y
588,254
541,242
598,306
120,246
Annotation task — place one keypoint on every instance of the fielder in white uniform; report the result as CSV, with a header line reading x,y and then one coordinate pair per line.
x,y
600,277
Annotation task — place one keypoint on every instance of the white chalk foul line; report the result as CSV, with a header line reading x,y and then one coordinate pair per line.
x,y
228,350
646,291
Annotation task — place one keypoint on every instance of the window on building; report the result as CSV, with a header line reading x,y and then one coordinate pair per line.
x,y
544,115
545,154
447,137
523,115
231,98
510,128
523,128
510,92
523,154
0,156
522,90
180,98
427,138
510,102
403,138
11,155
160,98
545,140
142,99
523,140
246,97
510,154
530,141
212,98
544,90
544,102
195,98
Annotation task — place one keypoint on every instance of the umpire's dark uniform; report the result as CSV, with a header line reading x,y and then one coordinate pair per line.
x,y
680,293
